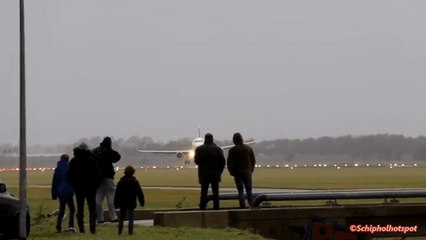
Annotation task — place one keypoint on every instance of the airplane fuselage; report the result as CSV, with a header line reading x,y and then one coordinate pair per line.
x,y
195,143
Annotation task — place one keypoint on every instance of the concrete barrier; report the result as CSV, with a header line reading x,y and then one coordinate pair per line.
x,y
147,214
294,222
201,219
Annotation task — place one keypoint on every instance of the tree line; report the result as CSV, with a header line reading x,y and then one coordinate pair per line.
x,y
383,147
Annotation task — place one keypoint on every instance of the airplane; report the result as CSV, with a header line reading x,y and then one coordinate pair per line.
x,y
188,153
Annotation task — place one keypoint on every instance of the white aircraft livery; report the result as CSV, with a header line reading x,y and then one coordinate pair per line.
x,y
188,153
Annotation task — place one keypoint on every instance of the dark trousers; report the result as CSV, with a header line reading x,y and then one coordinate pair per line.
x,y
203,197
90,197
242,183
130,216
63,202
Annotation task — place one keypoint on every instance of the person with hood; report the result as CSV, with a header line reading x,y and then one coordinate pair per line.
x,y
128,190
85,178
62,189
241,162
211,162
106,156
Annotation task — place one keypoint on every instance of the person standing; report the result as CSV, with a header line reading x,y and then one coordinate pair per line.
x,y
85,178
62,190
241,162
128,190
211,162
106,156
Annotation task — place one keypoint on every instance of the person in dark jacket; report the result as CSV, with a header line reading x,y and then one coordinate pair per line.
x,y
241,162
62,189
106,156
211,162
128,190
85,177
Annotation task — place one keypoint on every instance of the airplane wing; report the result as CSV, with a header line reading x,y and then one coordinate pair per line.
x,y
32,155
44,155
230,146
164,151
178,153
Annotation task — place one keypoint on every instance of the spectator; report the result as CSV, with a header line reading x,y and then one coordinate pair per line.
x,y
128,190
211,162
62,190
105,157
240,164
85,178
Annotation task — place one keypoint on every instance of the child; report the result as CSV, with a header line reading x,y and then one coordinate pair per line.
x,y
62,189
128,189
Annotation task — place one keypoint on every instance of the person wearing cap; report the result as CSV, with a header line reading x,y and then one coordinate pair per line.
x,y
211,162
241,162
85,178
105,157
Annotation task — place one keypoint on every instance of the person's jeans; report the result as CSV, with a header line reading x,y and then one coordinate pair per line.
x,y
90,197
63,202
130,217
242,183
203,196
106,190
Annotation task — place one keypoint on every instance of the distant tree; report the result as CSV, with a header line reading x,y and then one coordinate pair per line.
x,y
132,142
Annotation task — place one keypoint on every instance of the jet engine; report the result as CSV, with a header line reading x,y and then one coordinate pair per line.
x,y
179,155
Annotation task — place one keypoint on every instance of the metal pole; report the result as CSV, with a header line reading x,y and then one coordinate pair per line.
x,y
22,135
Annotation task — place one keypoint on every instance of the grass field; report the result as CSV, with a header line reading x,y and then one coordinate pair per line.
x,y
107,232
302,178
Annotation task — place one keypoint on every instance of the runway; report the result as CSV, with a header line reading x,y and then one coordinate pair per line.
x,y
222,190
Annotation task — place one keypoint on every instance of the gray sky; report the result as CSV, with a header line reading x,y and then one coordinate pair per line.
x,y
269,69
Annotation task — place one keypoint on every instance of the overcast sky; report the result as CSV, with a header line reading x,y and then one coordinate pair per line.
x,y
269,69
